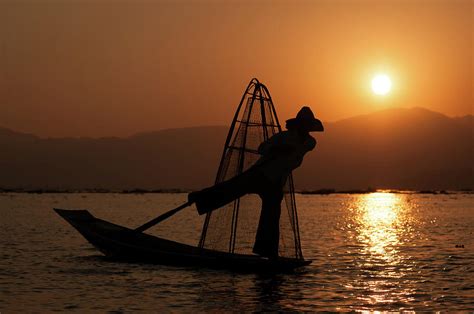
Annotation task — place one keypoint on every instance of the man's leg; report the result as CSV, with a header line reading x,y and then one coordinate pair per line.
x,y
225,192
268,232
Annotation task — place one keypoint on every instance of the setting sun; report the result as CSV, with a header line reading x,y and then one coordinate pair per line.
x,y
381,84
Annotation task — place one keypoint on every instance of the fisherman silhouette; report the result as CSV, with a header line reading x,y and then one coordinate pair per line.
x,y
280,154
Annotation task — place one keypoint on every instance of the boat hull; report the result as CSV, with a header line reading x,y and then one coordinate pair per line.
x,y
121,243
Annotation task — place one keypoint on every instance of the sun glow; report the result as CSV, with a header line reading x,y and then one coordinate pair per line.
x,y
381,84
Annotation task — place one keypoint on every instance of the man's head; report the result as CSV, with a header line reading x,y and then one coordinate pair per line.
x,y
305,121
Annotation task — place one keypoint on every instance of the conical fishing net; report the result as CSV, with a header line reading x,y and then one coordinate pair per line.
x,y
232,228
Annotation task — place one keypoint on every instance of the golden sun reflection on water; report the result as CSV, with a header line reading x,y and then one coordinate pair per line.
x,y
381,224
379,218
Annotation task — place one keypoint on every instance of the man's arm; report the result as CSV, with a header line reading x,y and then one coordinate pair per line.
x,y
276,145
310,144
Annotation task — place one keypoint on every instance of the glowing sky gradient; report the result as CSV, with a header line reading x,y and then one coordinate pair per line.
x,y
101,68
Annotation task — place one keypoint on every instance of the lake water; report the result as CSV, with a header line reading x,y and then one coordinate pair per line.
x,y
378,251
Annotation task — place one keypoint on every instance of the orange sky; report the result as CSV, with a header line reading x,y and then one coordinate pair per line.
x,y
101,68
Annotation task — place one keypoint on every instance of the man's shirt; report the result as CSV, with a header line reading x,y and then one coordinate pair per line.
x,y
282,153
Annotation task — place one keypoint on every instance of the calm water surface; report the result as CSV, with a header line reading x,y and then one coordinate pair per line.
x,y
376,251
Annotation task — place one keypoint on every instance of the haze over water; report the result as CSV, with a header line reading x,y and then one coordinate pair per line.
x,y
378,251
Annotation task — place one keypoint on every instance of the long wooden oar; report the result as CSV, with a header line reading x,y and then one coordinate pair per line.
x,y
162,217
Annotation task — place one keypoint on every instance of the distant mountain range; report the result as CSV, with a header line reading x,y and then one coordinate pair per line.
x,y
395,149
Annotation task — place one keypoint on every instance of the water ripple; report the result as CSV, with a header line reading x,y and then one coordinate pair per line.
x,y
380,251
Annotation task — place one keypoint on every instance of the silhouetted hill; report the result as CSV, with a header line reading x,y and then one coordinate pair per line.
x,y
7,135
170,158
396,148
466,121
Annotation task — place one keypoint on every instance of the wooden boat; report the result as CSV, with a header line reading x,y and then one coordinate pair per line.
x,y
121,243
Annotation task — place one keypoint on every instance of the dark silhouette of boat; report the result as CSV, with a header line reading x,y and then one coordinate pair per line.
x,y
124,244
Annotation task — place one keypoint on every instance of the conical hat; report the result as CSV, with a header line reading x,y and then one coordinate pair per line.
x,y
305,118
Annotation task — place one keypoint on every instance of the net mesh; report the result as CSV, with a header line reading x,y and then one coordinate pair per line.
x,y
232,228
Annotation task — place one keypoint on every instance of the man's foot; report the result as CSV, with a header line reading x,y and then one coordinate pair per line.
x,y
192,197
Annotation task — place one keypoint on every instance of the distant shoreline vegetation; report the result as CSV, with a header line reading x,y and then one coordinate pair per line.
x,y
395,191
325,191
92,190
